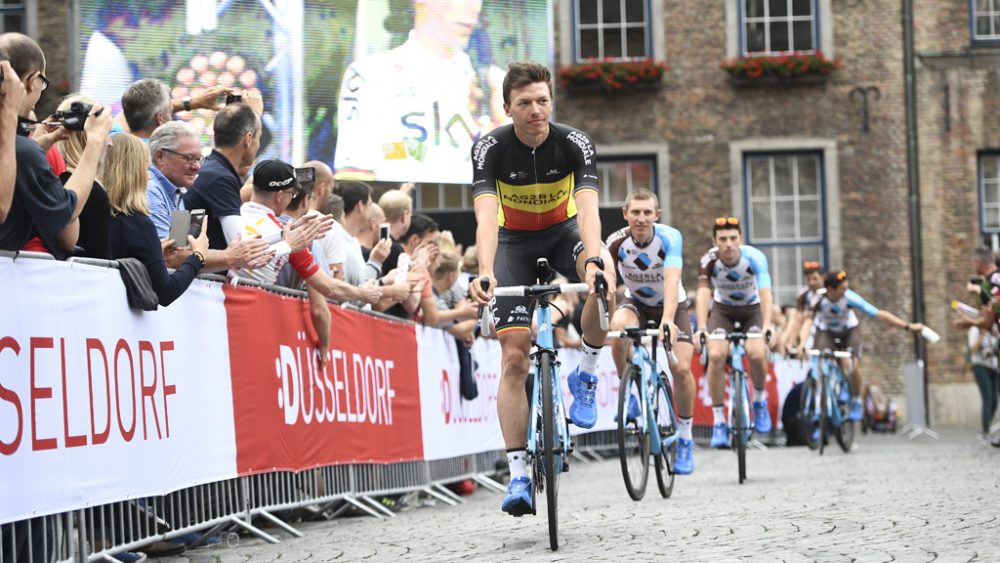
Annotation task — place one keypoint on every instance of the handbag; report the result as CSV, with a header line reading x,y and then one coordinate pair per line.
x,y
138,285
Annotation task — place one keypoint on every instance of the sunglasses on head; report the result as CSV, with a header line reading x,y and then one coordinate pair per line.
x,y
841,275
810,265
727,221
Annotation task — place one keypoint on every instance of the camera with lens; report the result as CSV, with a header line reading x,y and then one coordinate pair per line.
x,y
233,99
75,117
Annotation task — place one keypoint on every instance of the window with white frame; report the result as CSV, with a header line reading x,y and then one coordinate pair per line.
x,y
989,191
618,177
769,27
14,17
985,20
786,216
619,29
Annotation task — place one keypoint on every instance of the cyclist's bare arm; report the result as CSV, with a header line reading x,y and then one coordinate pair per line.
x,y
487,234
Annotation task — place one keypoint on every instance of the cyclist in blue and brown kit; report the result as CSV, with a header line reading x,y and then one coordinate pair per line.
x,y
536,196
734,282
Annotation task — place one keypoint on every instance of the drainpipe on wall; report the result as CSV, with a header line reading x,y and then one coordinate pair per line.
x,y
913,177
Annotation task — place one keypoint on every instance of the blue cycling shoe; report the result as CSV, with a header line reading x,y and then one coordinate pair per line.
x,y
518,499
685,457
814,429
857,410
583,386
720,435
634,412
761,417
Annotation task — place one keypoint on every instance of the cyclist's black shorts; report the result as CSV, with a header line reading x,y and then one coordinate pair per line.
x,y
517,252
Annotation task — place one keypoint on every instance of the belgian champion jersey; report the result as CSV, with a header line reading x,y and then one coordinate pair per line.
x,y
535,186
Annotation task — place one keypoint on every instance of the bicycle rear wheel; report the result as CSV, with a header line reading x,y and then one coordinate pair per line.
x,y
845,433
633,441
551,449
741,423
810,412
663,413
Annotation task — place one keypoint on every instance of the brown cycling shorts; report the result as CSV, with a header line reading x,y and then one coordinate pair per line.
x,y
850,339
724,318
645,313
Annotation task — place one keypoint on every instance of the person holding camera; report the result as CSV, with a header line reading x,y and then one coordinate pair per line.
x,y
43,207
132,232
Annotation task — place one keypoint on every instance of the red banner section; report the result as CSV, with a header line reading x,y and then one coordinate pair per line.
x,y
290,414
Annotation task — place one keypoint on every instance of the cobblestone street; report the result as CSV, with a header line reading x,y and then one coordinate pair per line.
x,y
891,499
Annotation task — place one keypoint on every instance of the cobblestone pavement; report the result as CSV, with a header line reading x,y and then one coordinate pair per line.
x,y
891,499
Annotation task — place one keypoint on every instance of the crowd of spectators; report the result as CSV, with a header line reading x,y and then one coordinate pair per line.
x,y
115,188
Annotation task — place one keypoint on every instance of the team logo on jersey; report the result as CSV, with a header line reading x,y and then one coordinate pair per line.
x,y
621,253
480,150
642,261
733,275
646,292
738,296
581,140
835,309
661,254
552,172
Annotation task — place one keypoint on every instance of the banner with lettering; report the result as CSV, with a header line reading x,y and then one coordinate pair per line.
x,y
291,413
100,403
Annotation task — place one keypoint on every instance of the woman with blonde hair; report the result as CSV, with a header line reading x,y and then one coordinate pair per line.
x,y
96,212
133,234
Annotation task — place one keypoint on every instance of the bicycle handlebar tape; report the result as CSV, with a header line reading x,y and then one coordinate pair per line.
x,y
484,310
601,288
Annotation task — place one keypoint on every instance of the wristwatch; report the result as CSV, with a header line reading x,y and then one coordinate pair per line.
x,y
186,102
595,260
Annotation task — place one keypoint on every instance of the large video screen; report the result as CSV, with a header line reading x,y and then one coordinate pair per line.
x,y
387,90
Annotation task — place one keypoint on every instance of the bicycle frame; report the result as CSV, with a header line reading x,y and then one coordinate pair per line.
x,y
651,378
545,344
737,375
826,366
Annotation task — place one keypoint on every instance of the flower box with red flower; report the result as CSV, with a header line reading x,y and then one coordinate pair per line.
x,y
786,68
612,75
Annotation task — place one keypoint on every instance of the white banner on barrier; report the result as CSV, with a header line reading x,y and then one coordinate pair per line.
x,y
453,426
99,403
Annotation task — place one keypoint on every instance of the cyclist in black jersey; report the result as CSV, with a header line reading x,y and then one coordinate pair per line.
x,y
535,189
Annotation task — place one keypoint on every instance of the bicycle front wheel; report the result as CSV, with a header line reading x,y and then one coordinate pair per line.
x,y
845,433
824,416
633,441
810,412
663,413
551,448
741,423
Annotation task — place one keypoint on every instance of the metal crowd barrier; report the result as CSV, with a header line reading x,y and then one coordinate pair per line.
x,y
94,533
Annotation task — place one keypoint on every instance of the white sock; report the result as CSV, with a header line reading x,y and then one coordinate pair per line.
x,y
718,414
588,362
684,428
518,462
760,395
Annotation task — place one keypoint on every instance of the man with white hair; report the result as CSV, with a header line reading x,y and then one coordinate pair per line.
x,y
175,160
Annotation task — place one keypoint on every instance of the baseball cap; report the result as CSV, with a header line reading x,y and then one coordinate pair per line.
x,y
274,175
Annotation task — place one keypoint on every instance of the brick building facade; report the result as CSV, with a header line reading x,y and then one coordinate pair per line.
x,y
795,159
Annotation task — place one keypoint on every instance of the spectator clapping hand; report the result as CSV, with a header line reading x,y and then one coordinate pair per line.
x,y
251,253
370,292
303,232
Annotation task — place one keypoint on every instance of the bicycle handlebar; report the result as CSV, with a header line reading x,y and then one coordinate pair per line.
x,y
836,353
540,289
642,335
601,288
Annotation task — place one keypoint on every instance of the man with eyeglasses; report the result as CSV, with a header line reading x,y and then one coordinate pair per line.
x,y
175,156
733,280
41,205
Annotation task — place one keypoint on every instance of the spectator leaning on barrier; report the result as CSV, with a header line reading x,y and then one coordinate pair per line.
x,y
217,188
274,185
420,244
133,234
357,201
329,245
175,154
96,213
41,206
398,209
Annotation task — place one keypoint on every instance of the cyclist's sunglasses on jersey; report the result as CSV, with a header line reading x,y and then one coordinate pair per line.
x,y
721,221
